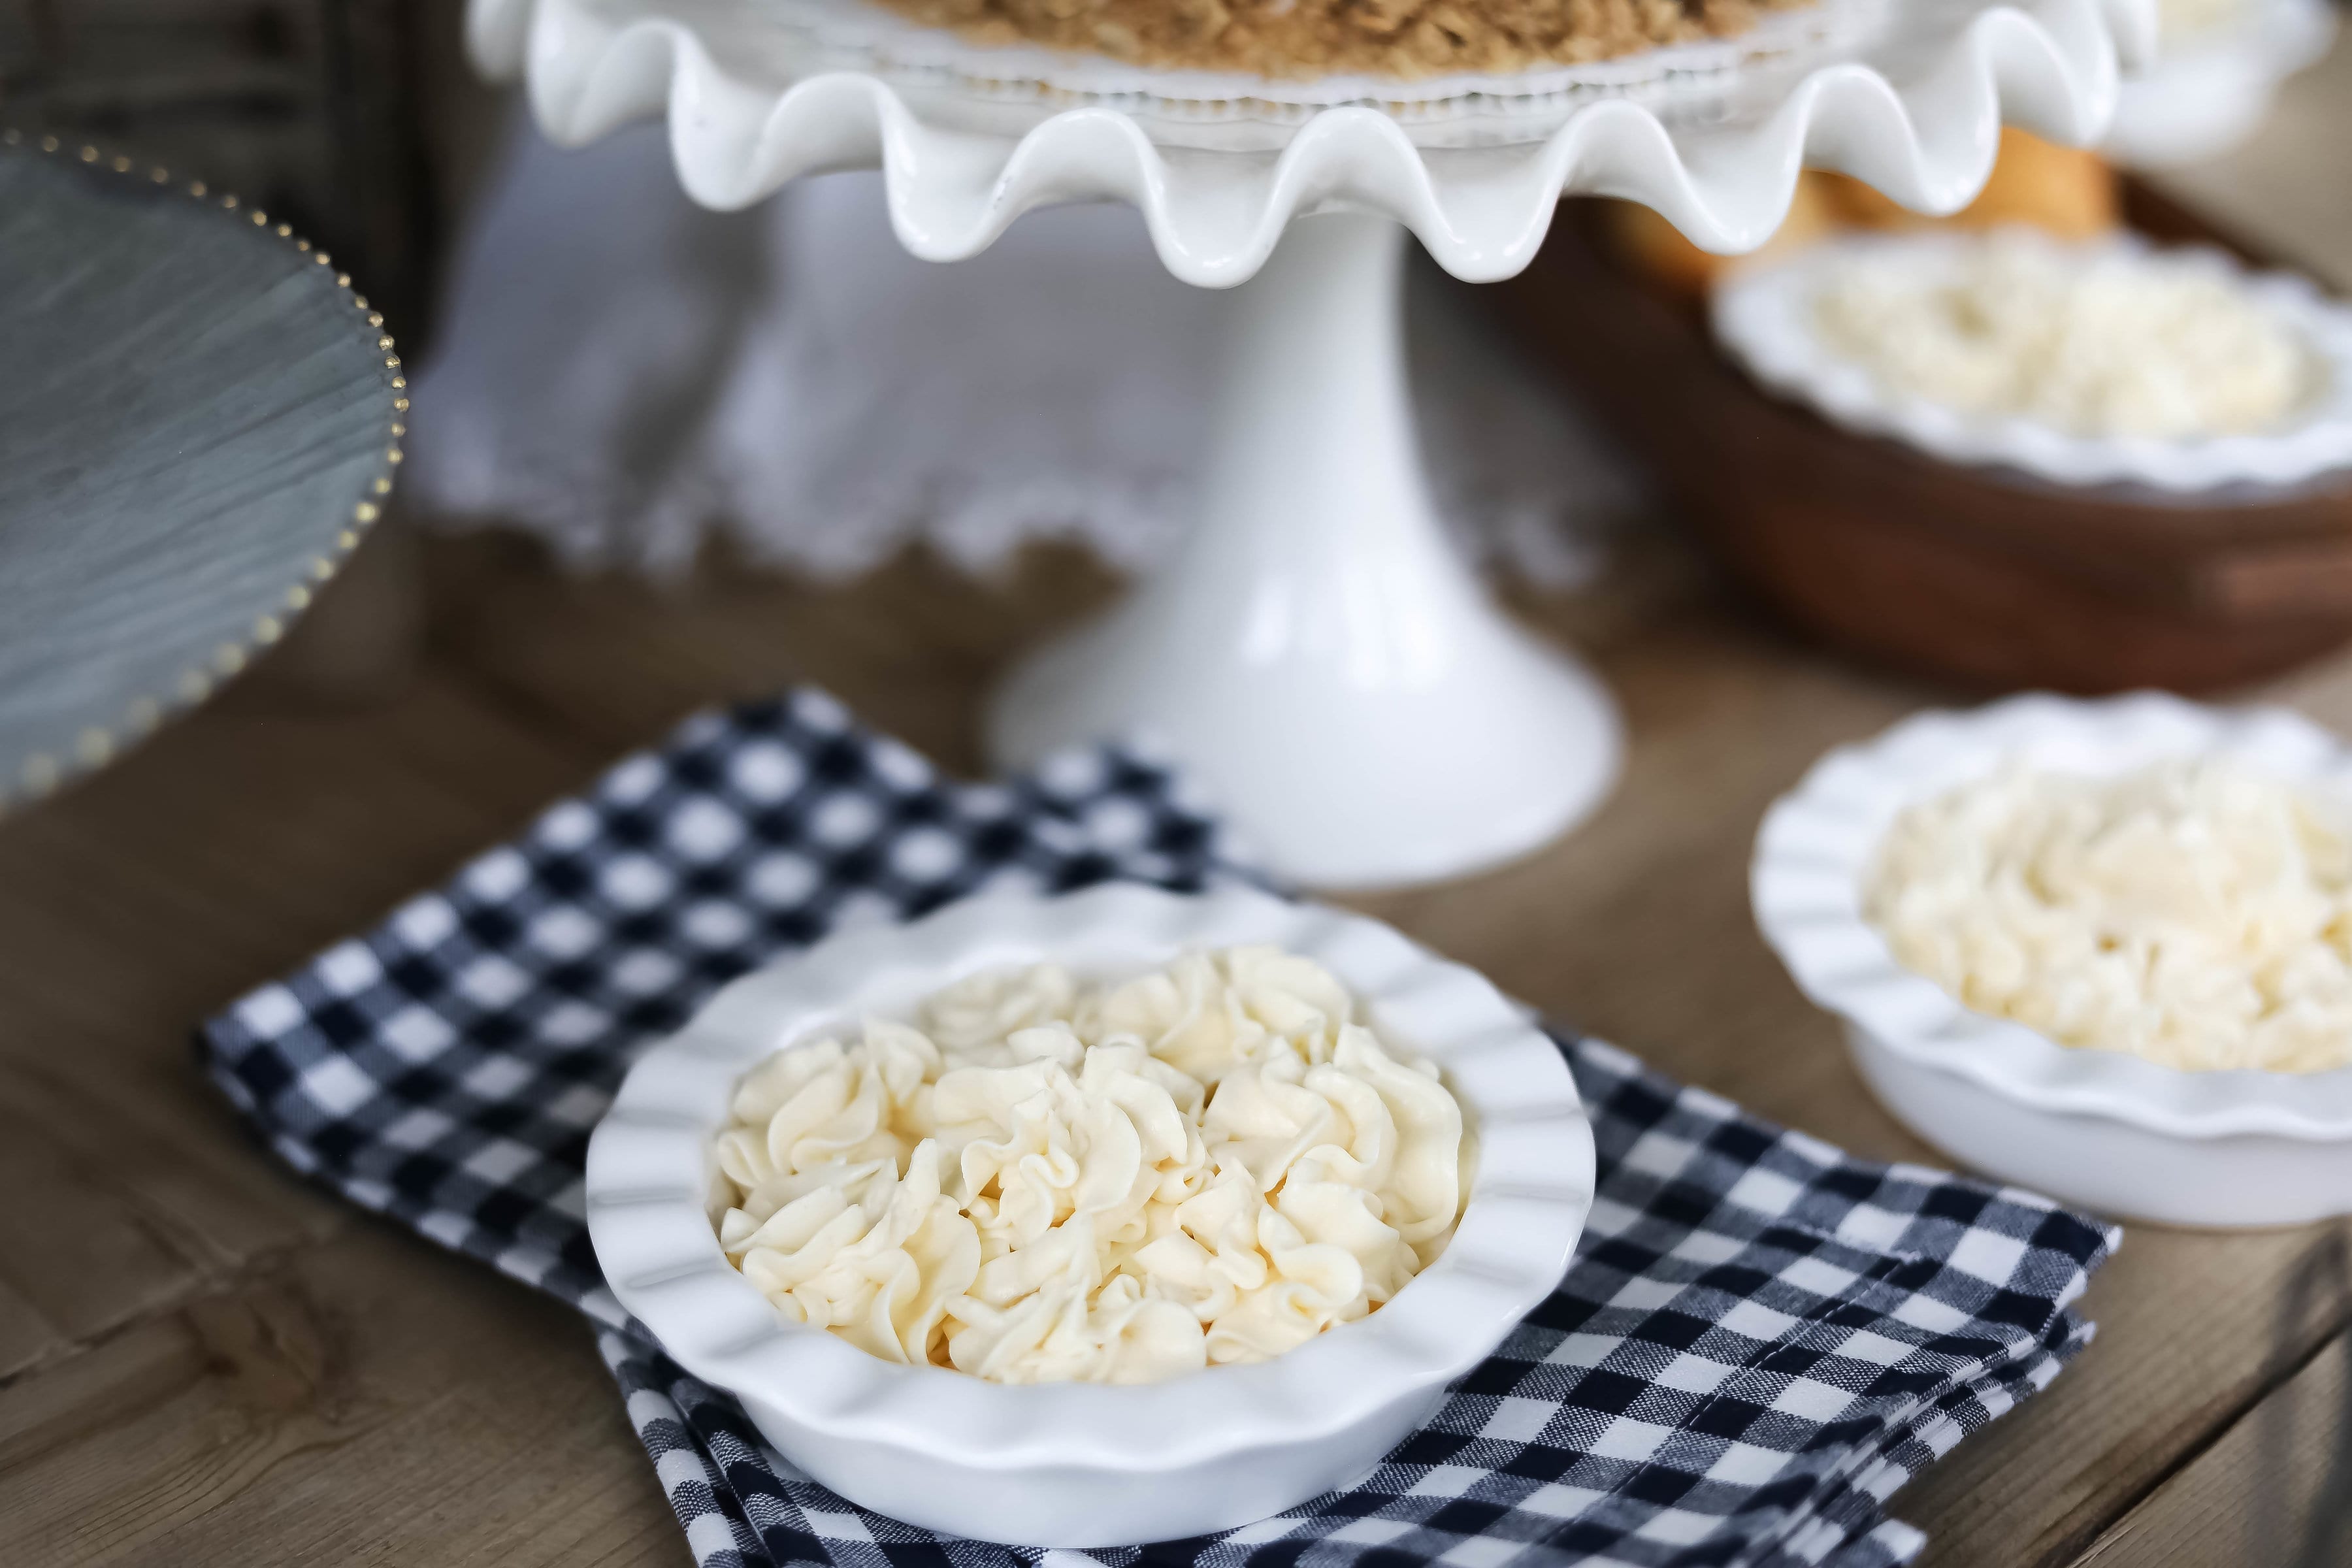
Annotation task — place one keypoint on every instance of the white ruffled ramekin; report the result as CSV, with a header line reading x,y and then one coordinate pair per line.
x,y
1073,1464
2104,1130
1766,317
2206,92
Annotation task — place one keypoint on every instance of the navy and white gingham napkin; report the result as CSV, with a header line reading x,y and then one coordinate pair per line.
x,y
1759,1341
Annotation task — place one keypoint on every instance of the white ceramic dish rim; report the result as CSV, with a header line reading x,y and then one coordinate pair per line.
x,y
2286,34
2242,60
1764,316
1814,848
1529,1200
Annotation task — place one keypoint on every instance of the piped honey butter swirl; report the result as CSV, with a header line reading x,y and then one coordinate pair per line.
x,y
2195,912
1038,1181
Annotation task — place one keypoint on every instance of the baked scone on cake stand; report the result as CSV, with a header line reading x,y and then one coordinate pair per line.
x,y
1317,656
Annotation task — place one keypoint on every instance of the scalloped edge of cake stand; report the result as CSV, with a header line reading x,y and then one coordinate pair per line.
x,y
1916,113
1317,655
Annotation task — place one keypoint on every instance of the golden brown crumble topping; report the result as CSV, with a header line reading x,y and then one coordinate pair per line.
x,y
1316,37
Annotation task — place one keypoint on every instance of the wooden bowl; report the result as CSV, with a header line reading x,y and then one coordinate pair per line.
x,y
1984,577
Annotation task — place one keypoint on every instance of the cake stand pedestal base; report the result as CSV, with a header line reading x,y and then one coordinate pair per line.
x,y
1317,656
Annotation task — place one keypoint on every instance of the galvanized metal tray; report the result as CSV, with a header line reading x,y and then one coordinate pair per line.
x,y
198,420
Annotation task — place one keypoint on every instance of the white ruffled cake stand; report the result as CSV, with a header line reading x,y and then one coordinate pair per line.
x,y
1317,656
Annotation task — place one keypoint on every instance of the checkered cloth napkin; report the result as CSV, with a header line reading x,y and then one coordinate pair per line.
x,y
1759,1341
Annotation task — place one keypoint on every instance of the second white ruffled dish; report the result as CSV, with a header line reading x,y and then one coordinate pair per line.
x,y
2099,1128
1768,319
1081,1465
2211,87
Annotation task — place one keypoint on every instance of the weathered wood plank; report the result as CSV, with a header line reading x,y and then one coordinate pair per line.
x,y
247,837
26,1335
2191,1329
374,1400
913,650
147,899
2275,1490
75,1255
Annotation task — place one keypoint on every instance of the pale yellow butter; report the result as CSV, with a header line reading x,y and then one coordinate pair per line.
x,y
2194,912
1038,1181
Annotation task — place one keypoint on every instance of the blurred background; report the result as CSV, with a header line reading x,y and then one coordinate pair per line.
x,y
615,380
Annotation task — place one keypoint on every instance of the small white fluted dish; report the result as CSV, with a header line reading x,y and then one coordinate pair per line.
x,y
1080,1465
2207,92
1767,317
2104,1130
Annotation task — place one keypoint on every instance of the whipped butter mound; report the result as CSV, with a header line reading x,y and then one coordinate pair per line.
x,y
2195,913
2091,342
1039,1180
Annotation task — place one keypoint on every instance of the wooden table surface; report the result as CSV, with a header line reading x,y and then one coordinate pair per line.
x,y
203,1360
